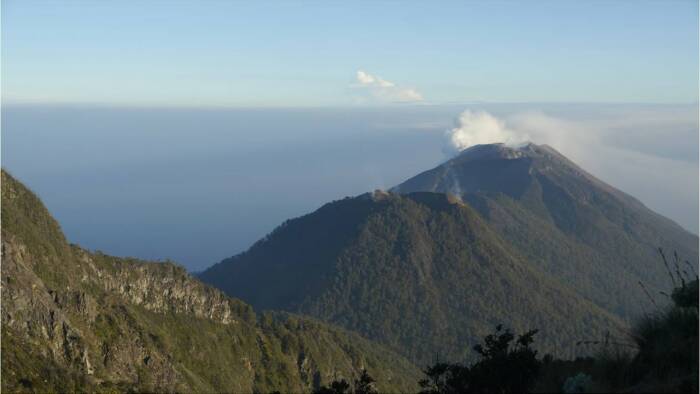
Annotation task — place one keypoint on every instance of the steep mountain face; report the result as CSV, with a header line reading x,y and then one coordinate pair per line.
x,y
519,236
594,238
422,273
78,321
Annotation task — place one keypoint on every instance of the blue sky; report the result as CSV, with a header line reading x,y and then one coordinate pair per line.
x,y
288,54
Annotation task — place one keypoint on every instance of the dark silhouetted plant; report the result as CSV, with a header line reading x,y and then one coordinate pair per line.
x,y
504,367
364,385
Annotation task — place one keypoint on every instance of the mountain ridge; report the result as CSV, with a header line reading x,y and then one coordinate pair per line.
x,y
545,226
583,212
78,321
413,274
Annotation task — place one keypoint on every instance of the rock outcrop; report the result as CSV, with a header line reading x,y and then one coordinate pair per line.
x,y
75,321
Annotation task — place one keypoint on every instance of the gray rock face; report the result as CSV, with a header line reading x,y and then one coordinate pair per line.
x,y
63,319
161,288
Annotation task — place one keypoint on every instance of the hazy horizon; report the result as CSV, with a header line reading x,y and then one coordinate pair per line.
x,y
188,130
197,186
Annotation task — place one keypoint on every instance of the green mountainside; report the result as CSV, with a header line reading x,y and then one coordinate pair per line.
x,y
594,238
422,273
522,237
75,321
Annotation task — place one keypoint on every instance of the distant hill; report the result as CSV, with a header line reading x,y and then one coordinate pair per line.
x,y
75,321
497,235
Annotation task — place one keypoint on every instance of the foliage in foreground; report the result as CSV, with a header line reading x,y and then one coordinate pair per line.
x,y
660,353
364,385
505,367
668,344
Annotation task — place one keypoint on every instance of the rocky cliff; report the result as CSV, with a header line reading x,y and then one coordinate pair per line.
x,y
73,320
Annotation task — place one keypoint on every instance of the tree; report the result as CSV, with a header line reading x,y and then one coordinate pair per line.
x,y
503,368
363,385
336,387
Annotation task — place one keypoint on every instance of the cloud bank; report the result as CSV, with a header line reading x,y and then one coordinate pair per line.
x,y
383,90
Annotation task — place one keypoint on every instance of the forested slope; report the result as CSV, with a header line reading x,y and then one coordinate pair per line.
x,y
78,321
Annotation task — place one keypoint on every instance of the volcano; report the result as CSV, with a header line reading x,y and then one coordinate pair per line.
x,y
520,236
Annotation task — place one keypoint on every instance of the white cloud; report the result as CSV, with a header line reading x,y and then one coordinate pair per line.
x,y
364,79
409,95
480,127
384,90
367,79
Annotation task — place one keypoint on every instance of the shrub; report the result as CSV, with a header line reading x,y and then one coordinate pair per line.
x,y
504,368
363,385
579,383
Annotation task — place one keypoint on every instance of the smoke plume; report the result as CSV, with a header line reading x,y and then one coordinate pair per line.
x,y
480,127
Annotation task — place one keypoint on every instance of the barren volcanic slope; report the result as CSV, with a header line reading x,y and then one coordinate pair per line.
x,y
74,321
537,244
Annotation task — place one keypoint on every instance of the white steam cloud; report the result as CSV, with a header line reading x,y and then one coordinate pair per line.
x,y
480,127
384,90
